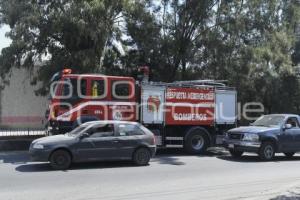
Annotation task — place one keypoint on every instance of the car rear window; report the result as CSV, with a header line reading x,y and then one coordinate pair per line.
x,y
102,131
129,130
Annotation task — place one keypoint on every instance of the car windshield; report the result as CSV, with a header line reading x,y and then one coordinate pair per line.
x,y
77,130
268,120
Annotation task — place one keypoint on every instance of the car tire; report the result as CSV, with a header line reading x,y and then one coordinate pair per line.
x,y
235,153
141,157
60,160
196,141
289,154
267,151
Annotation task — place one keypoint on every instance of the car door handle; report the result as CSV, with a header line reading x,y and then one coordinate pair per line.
x,y
116,141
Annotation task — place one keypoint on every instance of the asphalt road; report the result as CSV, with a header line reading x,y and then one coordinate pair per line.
x,y
171,175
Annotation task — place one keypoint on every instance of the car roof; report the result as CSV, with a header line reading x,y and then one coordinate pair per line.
x,y
283,115
109,122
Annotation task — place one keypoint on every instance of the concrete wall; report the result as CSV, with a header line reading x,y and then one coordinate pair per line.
x,y
20,107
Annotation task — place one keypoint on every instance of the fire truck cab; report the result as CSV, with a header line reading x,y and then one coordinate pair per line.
x,y
188,114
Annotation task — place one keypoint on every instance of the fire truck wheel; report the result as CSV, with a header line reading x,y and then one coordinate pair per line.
x,y
141,156
60,160
196,141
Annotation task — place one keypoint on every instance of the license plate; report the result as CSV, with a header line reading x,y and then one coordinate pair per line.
x,y
231,146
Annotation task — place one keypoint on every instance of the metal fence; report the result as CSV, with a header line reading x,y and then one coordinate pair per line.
x,y
22,132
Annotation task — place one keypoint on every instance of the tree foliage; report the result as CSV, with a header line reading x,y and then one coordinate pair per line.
x,y
58,33
254,45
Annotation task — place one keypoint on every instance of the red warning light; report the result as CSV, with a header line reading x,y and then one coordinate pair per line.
x,y
67,71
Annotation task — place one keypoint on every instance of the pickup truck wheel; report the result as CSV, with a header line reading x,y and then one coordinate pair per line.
x,y
196,142
289,154
141,157
267,151
235,153
60,160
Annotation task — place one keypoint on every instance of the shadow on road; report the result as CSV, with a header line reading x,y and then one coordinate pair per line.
x,y
255,158
14,157
163,156
172,156
168,160
45,167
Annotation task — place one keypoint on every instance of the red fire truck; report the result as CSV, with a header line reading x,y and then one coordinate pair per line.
x,y
189,114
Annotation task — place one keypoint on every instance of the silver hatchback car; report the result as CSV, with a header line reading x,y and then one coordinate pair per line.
x,y
96,141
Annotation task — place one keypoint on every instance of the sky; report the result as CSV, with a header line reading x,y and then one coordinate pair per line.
x,y
4,41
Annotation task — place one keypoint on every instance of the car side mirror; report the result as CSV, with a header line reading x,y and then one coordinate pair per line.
x,y
84,135
287,126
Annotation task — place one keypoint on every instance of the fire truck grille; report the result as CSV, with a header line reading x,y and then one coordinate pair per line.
x,y
236,136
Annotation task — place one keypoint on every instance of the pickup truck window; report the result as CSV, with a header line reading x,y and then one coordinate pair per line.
x,y
293,121
269,120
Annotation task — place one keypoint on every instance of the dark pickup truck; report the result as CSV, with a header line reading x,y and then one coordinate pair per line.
x,y
270,134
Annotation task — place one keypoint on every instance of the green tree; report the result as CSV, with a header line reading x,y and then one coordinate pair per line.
x,y
248,43
57,34
254,45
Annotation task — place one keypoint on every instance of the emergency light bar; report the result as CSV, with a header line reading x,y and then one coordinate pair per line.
x,y
67,71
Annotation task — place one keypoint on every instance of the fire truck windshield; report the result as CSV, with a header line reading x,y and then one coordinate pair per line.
x,y
70,88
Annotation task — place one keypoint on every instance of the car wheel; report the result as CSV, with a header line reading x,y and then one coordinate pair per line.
x,y
267,151
60,160
235,153
289,154
141,157
196,142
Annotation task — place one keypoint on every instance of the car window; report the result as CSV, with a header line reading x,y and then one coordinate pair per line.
x,y
70,88
269,120
77,130
121,90
129,130
102,131
83,87
98,88
293,121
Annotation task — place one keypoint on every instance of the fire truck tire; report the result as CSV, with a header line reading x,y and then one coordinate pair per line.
x,y
196,141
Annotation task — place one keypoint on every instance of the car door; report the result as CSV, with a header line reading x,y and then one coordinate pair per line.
x,y
99,145
129,137
288,138
296,134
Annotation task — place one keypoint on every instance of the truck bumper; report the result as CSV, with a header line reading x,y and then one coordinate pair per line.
x,y
245,146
